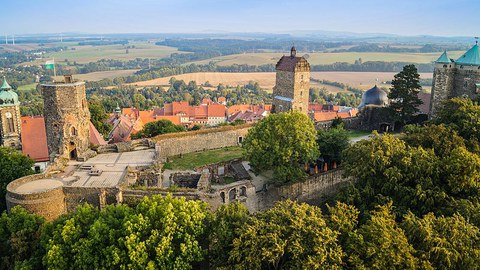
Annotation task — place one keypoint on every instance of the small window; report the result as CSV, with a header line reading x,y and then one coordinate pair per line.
x,y
73,131
465,84
240,139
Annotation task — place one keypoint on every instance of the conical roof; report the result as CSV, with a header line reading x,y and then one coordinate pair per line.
x,y
7,96
5,85
443,58
471,57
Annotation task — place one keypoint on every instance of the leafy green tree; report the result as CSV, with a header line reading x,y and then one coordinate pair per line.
x,y
99,117
160,233
20,240
441,138
332,142
462,114
403,94
13,165
446,242
380,243
157,128
224,228
283,143
288,236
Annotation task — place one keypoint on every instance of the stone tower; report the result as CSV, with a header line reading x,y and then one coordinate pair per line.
x,y
66,119
10,118
459,78
292,84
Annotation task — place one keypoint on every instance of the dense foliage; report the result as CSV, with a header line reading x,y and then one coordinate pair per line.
x,y
157,128
13,165
282,142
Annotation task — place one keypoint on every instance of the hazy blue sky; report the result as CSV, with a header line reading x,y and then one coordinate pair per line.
x,y
407,17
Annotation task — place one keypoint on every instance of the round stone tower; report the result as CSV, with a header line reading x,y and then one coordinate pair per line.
x,y
459,78
67,119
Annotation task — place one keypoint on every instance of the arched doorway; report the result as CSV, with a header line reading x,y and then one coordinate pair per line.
x,y
72,149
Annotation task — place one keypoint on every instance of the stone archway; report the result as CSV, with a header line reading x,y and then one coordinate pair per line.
x,y
72,150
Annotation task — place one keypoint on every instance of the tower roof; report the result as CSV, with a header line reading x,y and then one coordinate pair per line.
x,y
7,96
471,57
374,97
5,85
443,58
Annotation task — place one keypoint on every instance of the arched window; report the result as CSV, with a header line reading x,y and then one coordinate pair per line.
x,y
73,131
243,191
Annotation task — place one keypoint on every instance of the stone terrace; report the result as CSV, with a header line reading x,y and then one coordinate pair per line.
x,y
113,166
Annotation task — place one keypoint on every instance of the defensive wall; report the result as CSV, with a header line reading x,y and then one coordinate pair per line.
x,y
174,144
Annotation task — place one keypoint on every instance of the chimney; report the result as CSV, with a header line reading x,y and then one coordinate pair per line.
x,y
68,79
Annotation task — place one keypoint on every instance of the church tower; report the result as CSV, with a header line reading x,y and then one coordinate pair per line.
x,y
292,84
67,119
10,118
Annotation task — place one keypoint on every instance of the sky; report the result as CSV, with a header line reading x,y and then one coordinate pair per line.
x,y
403,17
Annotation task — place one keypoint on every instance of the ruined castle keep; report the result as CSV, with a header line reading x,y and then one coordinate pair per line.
x,y
292,84
10,125
67,119
455,78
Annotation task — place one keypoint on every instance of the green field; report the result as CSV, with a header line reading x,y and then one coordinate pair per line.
x,y
357,133
27,87
85,54
329,58
193,160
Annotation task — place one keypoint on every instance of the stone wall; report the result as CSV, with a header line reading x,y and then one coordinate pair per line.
x,y
294,85
442,85
49,203
349,123
67,119
187,142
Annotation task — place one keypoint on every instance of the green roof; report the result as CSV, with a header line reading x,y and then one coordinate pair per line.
x,y
443,58
5,85
471,57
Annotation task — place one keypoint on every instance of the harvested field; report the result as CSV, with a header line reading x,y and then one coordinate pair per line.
x,y
328,58
96,76
362,80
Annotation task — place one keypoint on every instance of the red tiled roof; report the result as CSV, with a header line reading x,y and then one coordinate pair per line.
x,y
200,112
238,108
206,101
216,110
288,63
34,138
95,136
222,99
425,98
324,116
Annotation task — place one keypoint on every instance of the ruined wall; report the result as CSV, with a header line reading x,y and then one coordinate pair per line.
x,y
67,119
349,123
49,204
187,142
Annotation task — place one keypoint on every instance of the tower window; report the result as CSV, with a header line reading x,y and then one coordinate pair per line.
x,y
73,131
10,125
465,84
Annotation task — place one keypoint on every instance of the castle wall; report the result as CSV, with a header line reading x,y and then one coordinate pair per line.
x,y
465,79
50,203
66,119
187,142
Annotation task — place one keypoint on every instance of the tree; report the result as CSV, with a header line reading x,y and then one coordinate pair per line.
x,y
332,142
288,236
99,117
446,242
283,143
224,228
157,128
160,233
20,240
380,243
13,165
463,115
403,94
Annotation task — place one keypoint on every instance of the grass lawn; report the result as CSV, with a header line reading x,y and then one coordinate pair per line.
x,y
193,160
27,87
357,133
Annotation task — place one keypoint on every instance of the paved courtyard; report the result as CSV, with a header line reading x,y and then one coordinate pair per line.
x,y
113,166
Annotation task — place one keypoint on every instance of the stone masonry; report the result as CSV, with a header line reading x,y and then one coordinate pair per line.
x,y
292,84
67,119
